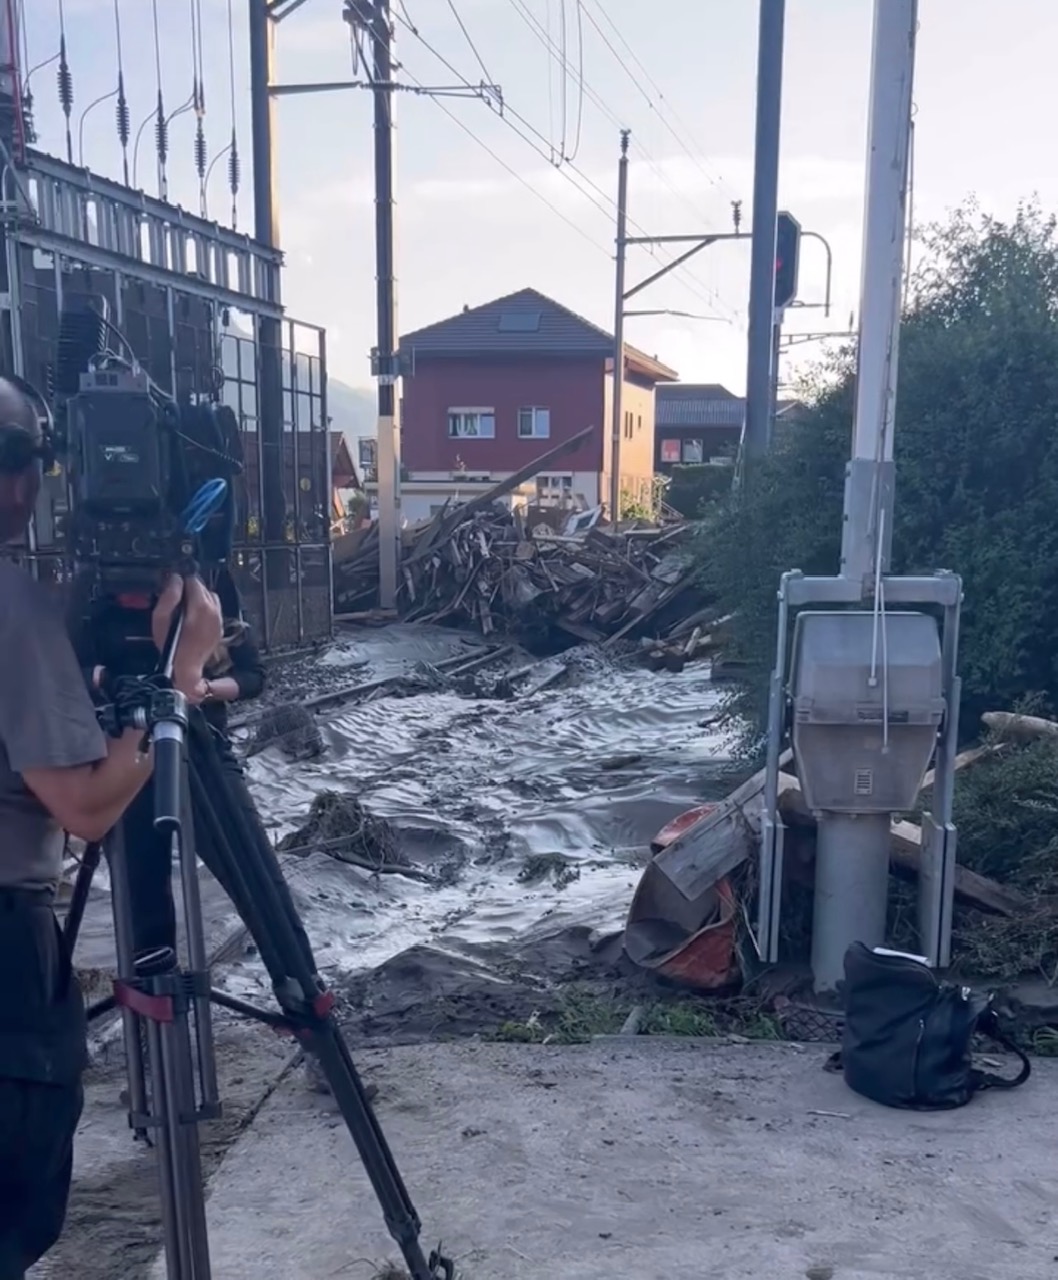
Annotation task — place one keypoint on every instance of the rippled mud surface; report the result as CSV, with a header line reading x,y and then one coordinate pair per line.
x,y
526,821
522,810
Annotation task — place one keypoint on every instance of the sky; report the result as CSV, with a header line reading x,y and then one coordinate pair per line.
x,y
490,202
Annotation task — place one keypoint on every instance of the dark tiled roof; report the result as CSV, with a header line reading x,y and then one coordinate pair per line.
x,y
523,323
695,391
700,412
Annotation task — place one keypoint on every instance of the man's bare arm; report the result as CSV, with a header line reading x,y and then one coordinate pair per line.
x,y
88,800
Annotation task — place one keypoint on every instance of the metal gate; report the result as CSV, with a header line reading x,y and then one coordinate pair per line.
x,y
191,298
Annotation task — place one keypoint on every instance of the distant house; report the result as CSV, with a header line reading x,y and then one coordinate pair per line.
x,y
702,423
490,389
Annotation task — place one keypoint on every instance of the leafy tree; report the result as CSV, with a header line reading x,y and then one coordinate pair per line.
x,y
976,448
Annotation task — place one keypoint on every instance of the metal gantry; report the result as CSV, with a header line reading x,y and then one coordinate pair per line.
x,y
189,296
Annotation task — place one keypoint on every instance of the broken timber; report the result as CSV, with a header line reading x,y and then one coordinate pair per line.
x,y
508,570
686,872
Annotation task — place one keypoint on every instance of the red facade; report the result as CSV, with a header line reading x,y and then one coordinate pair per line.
x,y
570,388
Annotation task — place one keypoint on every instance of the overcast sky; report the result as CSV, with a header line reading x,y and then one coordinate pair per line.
x,y
539,210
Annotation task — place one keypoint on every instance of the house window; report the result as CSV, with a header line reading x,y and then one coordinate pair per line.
x,y
534,424
472,424
693,452
670,450
554,490
639,422
628,425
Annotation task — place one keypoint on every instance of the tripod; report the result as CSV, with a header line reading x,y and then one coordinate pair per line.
x,y
173,1002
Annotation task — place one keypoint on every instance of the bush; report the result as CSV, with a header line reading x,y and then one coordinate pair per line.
x,y
977,468
694,489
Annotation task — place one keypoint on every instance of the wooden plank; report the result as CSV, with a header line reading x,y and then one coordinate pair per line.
x,y
452,521
1024,728
717,843
906,857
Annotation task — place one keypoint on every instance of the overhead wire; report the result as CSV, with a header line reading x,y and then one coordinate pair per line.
x,y
420,87
580,80
716,180
533,137
508,168
470,41
544,37
527,132
564,64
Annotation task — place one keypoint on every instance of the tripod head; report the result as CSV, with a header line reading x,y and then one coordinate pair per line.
x,y
152,704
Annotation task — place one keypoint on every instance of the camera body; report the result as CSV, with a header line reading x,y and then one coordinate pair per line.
x,y
123,526
151,491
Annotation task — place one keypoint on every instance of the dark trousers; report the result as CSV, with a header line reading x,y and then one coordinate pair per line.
x,y
37,1125
147,856
42,1055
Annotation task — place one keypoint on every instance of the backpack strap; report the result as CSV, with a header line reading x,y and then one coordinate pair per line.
x,y
989,1026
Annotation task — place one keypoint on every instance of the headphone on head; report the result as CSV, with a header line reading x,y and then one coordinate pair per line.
x,y
18,447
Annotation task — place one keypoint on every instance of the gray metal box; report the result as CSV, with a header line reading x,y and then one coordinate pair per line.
x,y
863,745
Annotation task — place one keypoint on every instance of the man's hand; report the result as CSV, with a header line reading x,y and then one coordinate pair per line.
x,y
200,636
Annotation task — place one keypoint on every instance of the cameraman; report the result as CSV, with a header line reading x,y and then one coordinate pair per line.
x,y
57,770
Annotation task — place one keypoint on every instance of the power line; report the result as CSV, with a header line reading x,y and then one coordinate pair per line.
x,y
467,36
540,145
511,170
710,297
554,52
714,180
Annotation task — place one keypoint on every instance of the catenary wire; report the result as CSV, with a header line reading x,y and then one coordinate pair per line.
x,y
541,144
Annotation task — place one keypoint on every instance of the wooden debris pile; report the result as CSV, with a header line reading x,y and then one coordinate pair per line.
x,y
498,570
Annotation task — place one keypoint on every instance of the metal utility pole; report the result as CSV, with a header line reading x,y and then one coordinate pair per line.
x,y
268,330
385,358
765,211
867,535
852,850
617,399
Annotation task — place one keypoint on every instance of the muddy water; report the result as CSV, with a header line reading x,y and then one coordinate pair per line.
x,y
579,777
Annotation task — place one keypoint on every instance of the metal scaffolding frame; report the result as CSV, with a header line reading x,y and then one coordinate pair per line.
x,y
187,294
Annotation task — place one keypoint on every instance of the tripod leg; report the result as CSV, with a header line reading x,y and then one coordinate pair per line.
x,y
122,908
177,1264
272,921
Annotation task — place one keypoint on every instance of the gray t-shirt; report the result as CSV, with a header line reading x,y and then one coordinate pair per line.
x,y
46,722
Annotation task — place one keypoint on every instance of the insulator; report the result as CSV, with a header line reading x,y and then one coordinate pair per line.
x,y
233,167
201,157
27,118
161,132
200,99
64,79
121,114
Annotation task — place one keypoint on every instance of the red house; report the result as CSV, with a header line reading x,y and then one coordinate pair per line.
x,y
490,389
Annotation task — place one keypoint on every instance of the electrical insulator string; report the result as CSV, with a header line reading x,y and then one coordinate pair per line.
x,y
234,168
64,80
199,95
161,124
122,119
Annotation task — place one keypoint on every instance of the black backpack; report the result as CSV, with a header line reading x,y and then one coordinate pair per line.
x,y
908,1035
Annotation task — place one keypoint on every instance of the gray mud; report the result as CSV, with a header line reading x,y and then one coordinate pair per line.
x,y
528,819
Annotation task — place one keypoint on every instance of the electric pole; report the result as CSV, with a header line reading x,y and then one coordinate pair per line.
x,y
372,18
852,850
617,398
275,568
761,339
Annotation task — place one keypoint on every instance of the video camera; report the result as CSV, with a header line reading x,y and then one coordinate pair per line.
x,y
150,480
